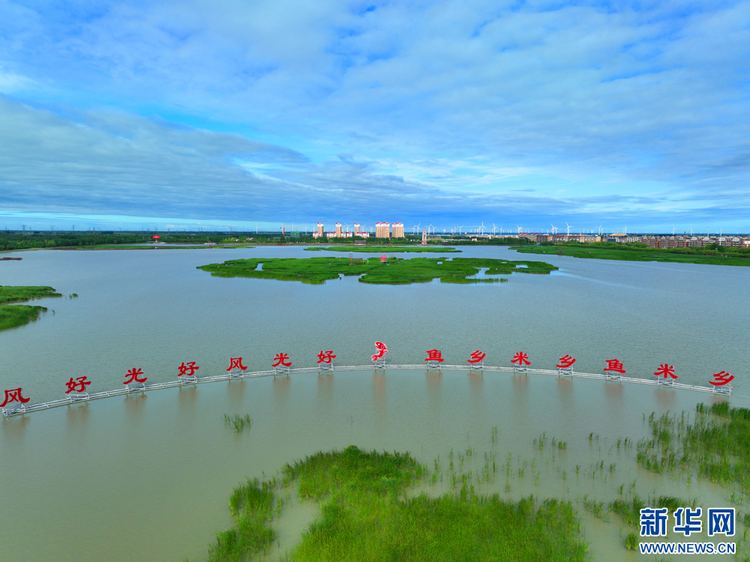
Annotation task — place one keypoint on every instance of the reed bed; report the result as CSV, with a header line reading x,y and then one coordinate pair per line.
x,y
714,444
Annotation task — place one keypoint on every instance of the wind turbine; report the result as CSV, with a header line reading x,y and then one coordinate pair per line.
x,y
428,228
459,229
482,228
494,229
554,230
566,224
520,229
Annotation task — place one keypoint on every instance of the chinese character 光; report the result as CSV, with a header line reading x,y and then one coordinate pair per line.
x,y
188,369
477,356
691,524
434,355
721,521
565,362
521,358
133,374
326,356
666,370
14,396
382,350
78,385
236,363
281,360
721,379
654,522
614,365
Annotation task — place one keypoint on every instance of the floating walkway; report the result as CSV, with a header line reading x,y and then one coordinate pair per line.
x,y
236,374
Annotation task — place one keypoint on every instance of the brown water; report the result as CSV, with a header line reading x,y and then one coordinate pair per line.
x,y
149,477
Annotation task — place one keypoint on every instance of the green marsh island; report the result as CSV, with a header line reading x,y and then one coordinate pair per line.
x,y
394,271
12,316
368,513
384,249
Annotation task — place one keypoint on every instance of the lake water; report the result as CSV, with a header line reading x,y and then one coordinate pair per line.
x,y
148,477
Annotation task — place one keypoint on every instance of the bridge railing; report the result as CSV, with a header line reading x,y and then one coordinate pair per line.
x,y
330,369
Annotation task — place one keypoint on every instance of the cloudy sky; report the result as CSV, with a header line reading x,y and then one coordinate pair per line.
x,y
231,113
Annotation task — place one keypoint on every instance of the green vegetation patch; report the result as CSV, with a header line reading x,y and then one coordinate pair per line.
x,y
635,251
252,506
23,294
395,271
365,516
384,249
19,315
715,445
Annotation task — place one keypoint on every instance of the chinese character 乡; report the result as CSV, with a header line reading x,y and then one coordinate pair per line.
x,y
236,363
326,356
434,355
654,522
14,396
666,370
565,362
281,359
133,374
78,385
188,369
477,356
721,521
521,358
721,379
691,522
614,365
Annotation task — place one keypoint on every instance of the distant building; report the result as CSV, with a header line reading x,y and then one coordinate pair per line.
x,y
382,230
356,229
320,229
338,230
398,230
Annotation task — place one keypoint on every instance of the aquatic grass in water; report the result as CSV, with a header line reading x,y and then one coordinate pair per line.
x,y
715,445
365,515
239,423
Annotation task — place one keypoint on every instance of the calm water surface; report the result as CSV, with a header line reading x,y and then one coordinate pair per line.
x,y
148,477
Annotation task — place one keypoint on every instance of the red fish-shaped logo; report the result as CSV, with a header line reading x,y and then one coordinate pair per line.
x,y
382,350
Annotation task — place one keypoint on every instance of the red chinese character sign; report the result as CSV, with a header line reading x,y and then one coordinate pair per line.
x,y
477,357
326,356
614,365
236,363
188,369
382,350
722,378
434,355
14,396
77,385
666,371
566,362
521,358
132,376
281,359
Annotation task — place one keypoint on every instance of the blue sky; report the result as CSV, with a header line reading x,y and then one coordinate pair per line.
x,y
227,114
